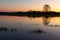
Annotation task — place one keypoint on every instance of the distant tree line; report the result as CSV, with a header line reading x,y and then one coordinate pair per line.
x,y
31,13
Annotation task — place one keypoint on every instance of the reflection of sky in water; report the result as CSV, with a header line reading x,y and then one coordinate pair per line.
x,y
25,25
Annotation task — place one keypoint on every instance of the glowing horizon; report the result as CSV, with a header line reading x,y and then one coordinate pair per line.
x,y
26,5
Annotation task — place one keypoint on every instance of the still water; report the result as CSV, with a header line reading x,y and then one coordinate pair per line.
x,y
21,28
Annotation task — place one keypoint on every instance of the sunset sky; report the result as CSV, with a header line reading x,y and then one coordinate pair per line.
x,y
25,5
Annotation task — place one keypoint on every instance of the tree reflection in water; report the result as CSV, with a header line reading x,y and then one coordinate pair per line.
x,y
46,20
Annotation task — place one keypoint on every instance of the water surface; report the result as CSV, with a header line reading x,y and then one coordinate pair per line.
x,y
20,28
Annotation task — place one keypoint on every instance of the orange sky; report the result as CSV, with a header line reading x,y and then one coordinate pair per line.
x,y
25,5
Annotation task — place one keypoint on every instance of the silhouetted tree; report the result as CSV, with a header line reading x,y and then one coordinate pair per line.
x,y
46,8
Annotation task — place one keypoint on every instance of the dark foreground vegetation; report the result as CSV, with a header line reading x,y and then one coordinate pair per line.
x,y
4,29
37,31
7,29
31,14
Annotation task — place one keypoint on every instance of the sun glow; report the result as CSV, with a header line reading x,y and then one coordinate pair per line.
x,y
26,5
